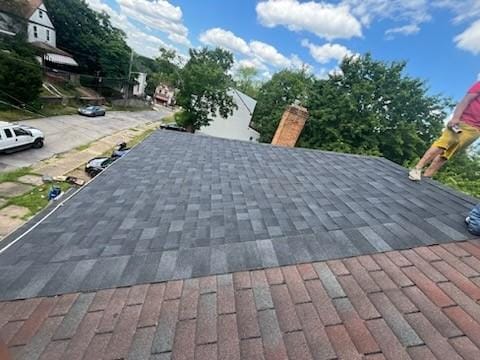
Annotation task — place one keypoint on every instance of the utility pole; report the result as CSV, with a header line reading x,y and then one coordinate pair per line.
x,y
127,93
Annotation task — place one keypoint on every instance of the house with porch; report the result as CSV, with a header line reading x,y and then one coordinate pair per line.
x,y
30,18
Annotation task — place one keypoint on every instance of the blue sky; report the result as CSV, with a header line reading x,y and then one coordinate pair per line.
x,y
440,39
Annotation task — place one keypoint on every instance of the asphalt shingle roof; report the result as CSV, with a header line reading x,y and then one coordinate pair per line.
x,y
181,206
411,304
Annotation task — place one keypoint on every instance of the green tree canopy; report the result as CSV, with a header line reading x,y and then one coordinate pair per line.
x,y
204,88
164,69
373,108
90,37
283,89
245,81
20,73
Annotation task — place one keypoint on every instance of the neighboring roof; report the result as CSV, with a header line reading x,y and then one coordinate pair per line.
x,y
47,48
418,304
23,8
181,206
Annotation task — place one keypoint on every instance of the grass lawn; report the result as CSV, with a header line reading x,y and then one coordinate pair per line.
x,y
12,115
36,199
15,174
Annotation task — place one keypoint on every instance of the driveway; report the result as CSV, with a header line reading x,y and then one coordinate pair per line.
x,y
64,133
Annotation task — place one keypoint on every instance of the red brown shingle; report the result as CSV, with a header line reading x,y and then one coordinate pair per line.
x,y
381,307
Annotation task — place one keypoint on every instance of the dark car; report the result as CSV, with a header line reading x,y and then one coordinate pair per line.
x,y
98,164
173,127
92,111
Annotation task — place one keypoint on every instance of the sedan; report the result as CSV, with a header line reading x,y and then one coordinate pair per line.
x,y
97,165
92,111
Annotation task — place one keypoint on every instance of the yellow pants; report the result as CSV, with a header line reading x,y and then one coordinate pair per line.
x,y
453,143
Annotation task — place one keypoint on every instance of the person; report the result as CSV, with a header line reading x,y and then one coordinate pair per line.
x,y
461,131
473,221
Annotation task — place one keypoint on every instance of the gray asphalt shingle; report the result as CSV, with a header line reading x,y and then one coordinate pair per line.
x,y
182,205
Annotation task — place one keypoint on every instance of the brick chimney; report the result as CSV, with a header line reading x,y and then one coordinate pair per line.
x,y
291,126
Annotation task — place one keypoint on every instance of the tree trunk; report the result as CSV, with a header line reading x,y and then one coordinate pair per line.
x,y
190,129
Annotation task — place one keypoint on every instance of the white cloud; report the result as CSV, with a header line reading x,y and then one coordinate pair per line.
x,y
258,54
158,14
463,9
411,11
402,30
225,39
252,63
469,40
325,53
268,54
325,20
142,42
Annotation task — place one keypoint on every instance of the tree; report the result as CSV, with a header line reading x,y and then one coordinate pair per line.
x,y
97,46
245,81
285,88
373,108
20,73
204,88
164,69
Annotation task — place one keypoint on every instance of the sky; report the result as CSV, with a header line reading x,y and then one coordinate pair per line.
x,y
440,39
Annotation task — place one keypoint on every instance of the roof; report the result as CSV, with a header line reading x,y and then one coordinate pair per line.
x,y
181,206
23,8
413,304
47,48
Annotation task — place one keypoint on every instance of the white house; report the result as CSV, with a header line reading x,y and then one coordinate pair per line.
x,y
236,126
31,18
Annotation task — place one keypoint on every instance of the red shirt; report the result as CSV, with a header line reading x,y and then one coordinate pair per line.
x,y
471,115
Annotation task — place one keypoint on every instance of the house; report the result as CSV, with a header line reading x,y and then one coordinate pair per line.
x,y
30,18
237,125
209,248
164,95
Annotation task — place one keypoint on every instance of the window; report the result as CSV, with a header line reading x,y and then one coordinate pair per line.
x,y
8,133
35,32
40,13
48,35
21,132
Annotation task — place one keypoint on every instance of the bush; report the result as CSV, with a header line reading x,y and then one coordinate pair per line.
x,y
20,73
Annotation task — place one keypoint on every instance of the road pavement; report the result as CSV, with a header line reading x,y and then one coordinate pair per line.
x,y
64,133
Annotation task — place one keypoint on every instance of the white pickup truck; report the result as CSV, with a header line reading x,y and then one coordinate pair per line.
x,y
14,137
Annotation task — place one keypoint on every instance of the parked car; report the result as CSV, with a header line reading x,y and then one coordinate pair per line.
x,y
15,137
173,127
92,111
98,164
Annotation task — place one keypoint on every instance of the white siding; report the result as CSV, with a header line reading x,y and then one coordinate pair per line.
x,y
40,28
235,126
41,19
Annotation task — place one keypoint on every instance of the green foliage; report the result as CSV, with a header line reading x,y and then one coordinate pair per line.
x,y
274,96
245,81
20,73
203,88
462,173
97,46
163,70
375,109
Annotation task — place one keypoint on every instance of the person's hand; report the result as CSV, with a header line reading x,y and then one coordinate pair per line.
x,y
453,123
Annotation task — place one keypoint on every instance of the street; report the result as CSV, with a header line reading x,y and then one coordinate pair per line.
x,y
64,133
